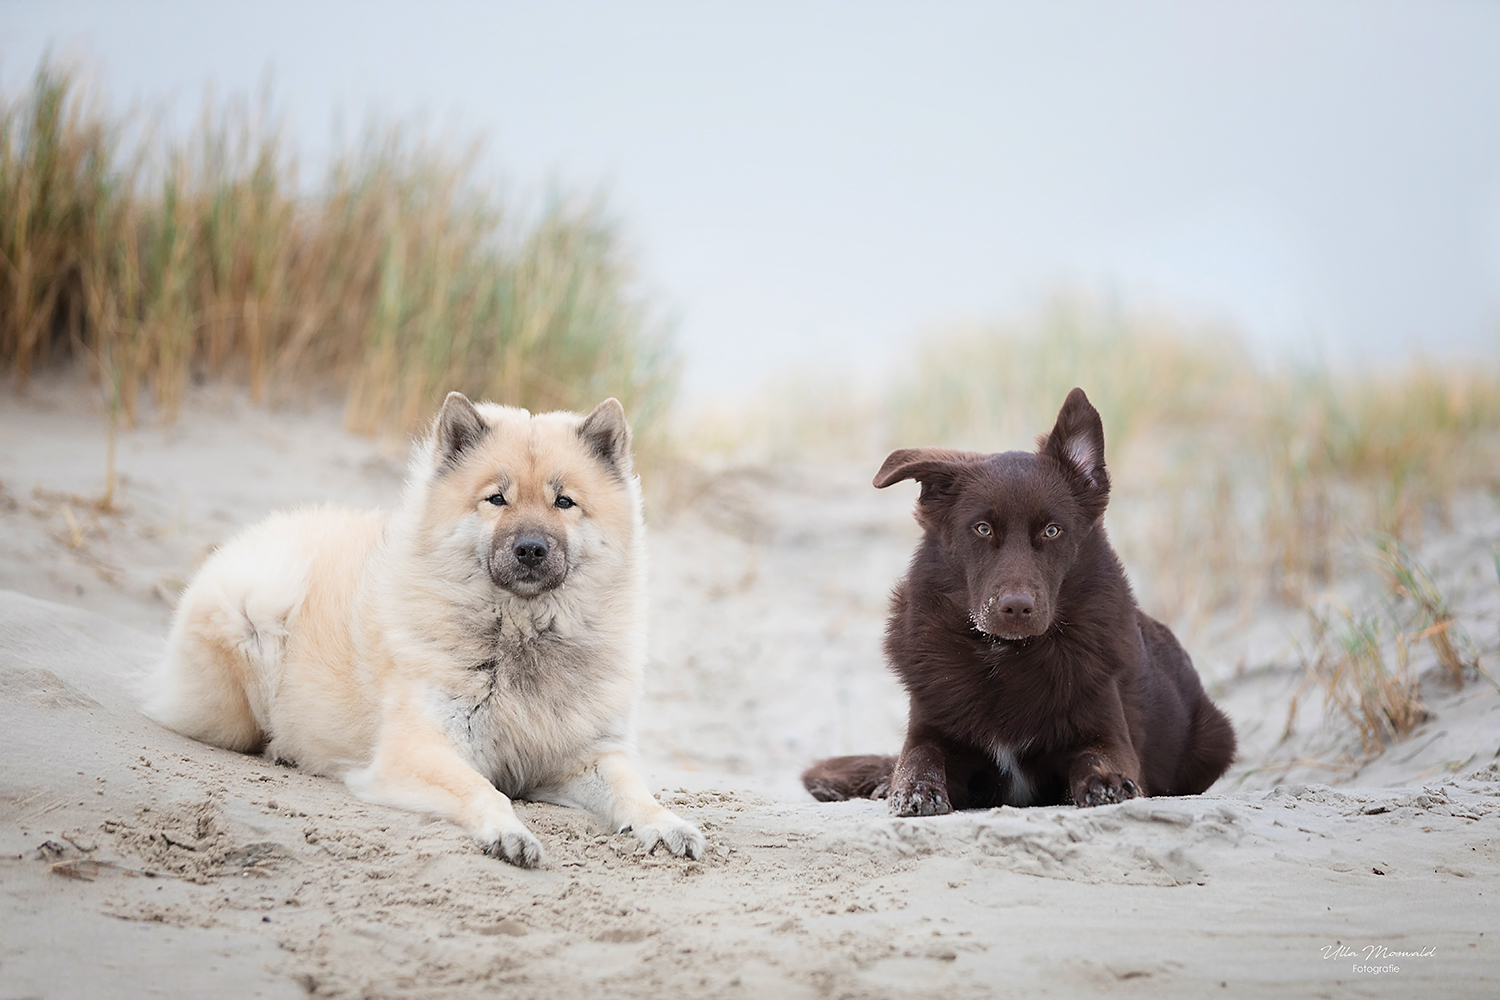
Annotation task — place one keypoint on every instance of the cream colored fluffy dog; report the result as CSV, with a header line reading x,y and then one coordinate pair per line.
x,y
485,640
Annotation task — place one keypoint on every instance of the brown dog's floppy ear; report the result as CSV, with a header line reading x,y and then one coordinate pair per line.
x,y
607,433
458,428
1077,444
918,464
935,468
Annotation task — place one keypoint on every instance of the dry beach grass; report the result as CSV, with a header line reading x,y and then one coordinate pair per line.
x,y
400,277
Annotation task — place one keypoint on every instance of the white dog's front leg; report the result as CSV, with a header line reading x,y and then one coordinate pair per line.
x,y
418,768
612,790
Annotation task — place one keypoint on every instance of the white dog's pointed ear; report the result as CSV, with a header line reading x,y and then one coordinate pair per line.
x,y
458,428
607,433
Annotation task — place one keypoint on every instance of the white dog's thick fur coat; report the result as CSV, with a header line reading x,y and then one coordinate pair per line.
x,y
485,640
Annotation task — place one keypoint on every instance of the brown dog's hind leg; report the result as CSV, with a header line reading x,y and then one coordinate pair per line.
x,y
1209,752
835,779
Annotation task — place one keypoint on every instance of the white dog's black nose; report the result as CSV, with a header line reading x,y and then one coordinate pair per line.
x,y
531,551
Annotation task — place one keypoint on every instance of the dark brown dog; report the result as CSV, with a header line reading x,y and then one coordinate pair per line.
x,y
1034,678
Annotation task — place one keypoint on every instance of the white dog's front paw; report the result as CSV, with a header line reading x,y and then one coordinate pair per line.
x,y
516,844
680,837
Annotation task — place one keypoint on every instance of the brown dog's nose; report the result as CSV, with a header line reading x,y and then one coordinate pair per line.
x,y
1017,607
531,552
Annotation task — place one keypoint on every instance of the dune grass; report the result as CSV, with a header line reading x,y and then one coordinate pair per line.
x,y
1236,480
1361,660
401,277
1381,701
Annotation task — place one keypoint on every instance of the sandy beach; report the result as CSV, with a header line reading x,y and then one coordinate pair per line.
x,y
137,863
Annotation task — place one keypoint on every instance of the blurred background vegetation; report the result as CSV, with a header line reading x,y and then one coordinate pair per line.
x,y
159,262
1236,479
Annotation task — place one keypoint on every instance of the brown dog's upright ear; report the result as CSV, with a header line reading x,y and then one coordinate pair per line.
x,y
607,433
937,469
1077,444
458,428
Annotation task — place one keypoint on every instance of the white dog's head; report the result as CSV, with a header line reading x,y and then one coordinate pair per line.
x,y
534,497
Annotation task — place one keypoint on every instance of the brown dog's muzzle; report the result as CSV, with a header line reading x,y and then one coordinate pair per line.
x,y
1014,614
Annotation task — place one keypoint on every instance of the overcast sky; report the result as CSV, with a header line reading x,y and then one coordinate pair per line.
x,y
818,183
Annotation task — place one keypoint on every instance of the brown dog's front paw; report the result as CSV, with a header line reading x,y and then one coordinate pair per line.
x,y
919,798
1103,790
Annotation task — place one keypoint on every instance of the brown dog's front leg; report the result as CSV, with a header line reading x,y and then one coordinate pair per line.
x,y
919,785
1100,776
1106,770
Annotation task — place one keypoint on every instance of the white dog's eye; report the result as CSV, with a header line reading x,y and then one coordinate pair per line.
x,y
984,529
1051,531
497,499
563,502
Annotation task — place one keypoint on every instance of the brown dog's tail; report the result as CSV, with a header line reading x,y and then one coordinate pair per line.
x,y
867,776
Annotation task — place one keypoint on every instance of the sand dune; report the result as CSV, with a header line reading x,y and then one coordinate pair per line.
x,y
134,862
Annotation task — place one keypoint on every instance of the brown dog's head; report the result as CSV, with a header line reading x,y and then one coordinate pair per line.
x,y
530,497
1012,523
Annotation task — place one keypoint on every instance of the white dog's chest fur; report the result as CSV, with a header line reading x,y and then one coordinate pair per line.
x,y
534,695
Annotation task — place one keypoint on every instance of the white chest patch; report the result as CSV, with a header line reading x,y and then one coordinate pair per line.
x,y
1019,791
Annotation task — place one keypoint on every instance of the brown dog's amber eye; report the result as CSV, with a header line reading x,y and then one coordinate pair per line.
x,y
1051,531
984,529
